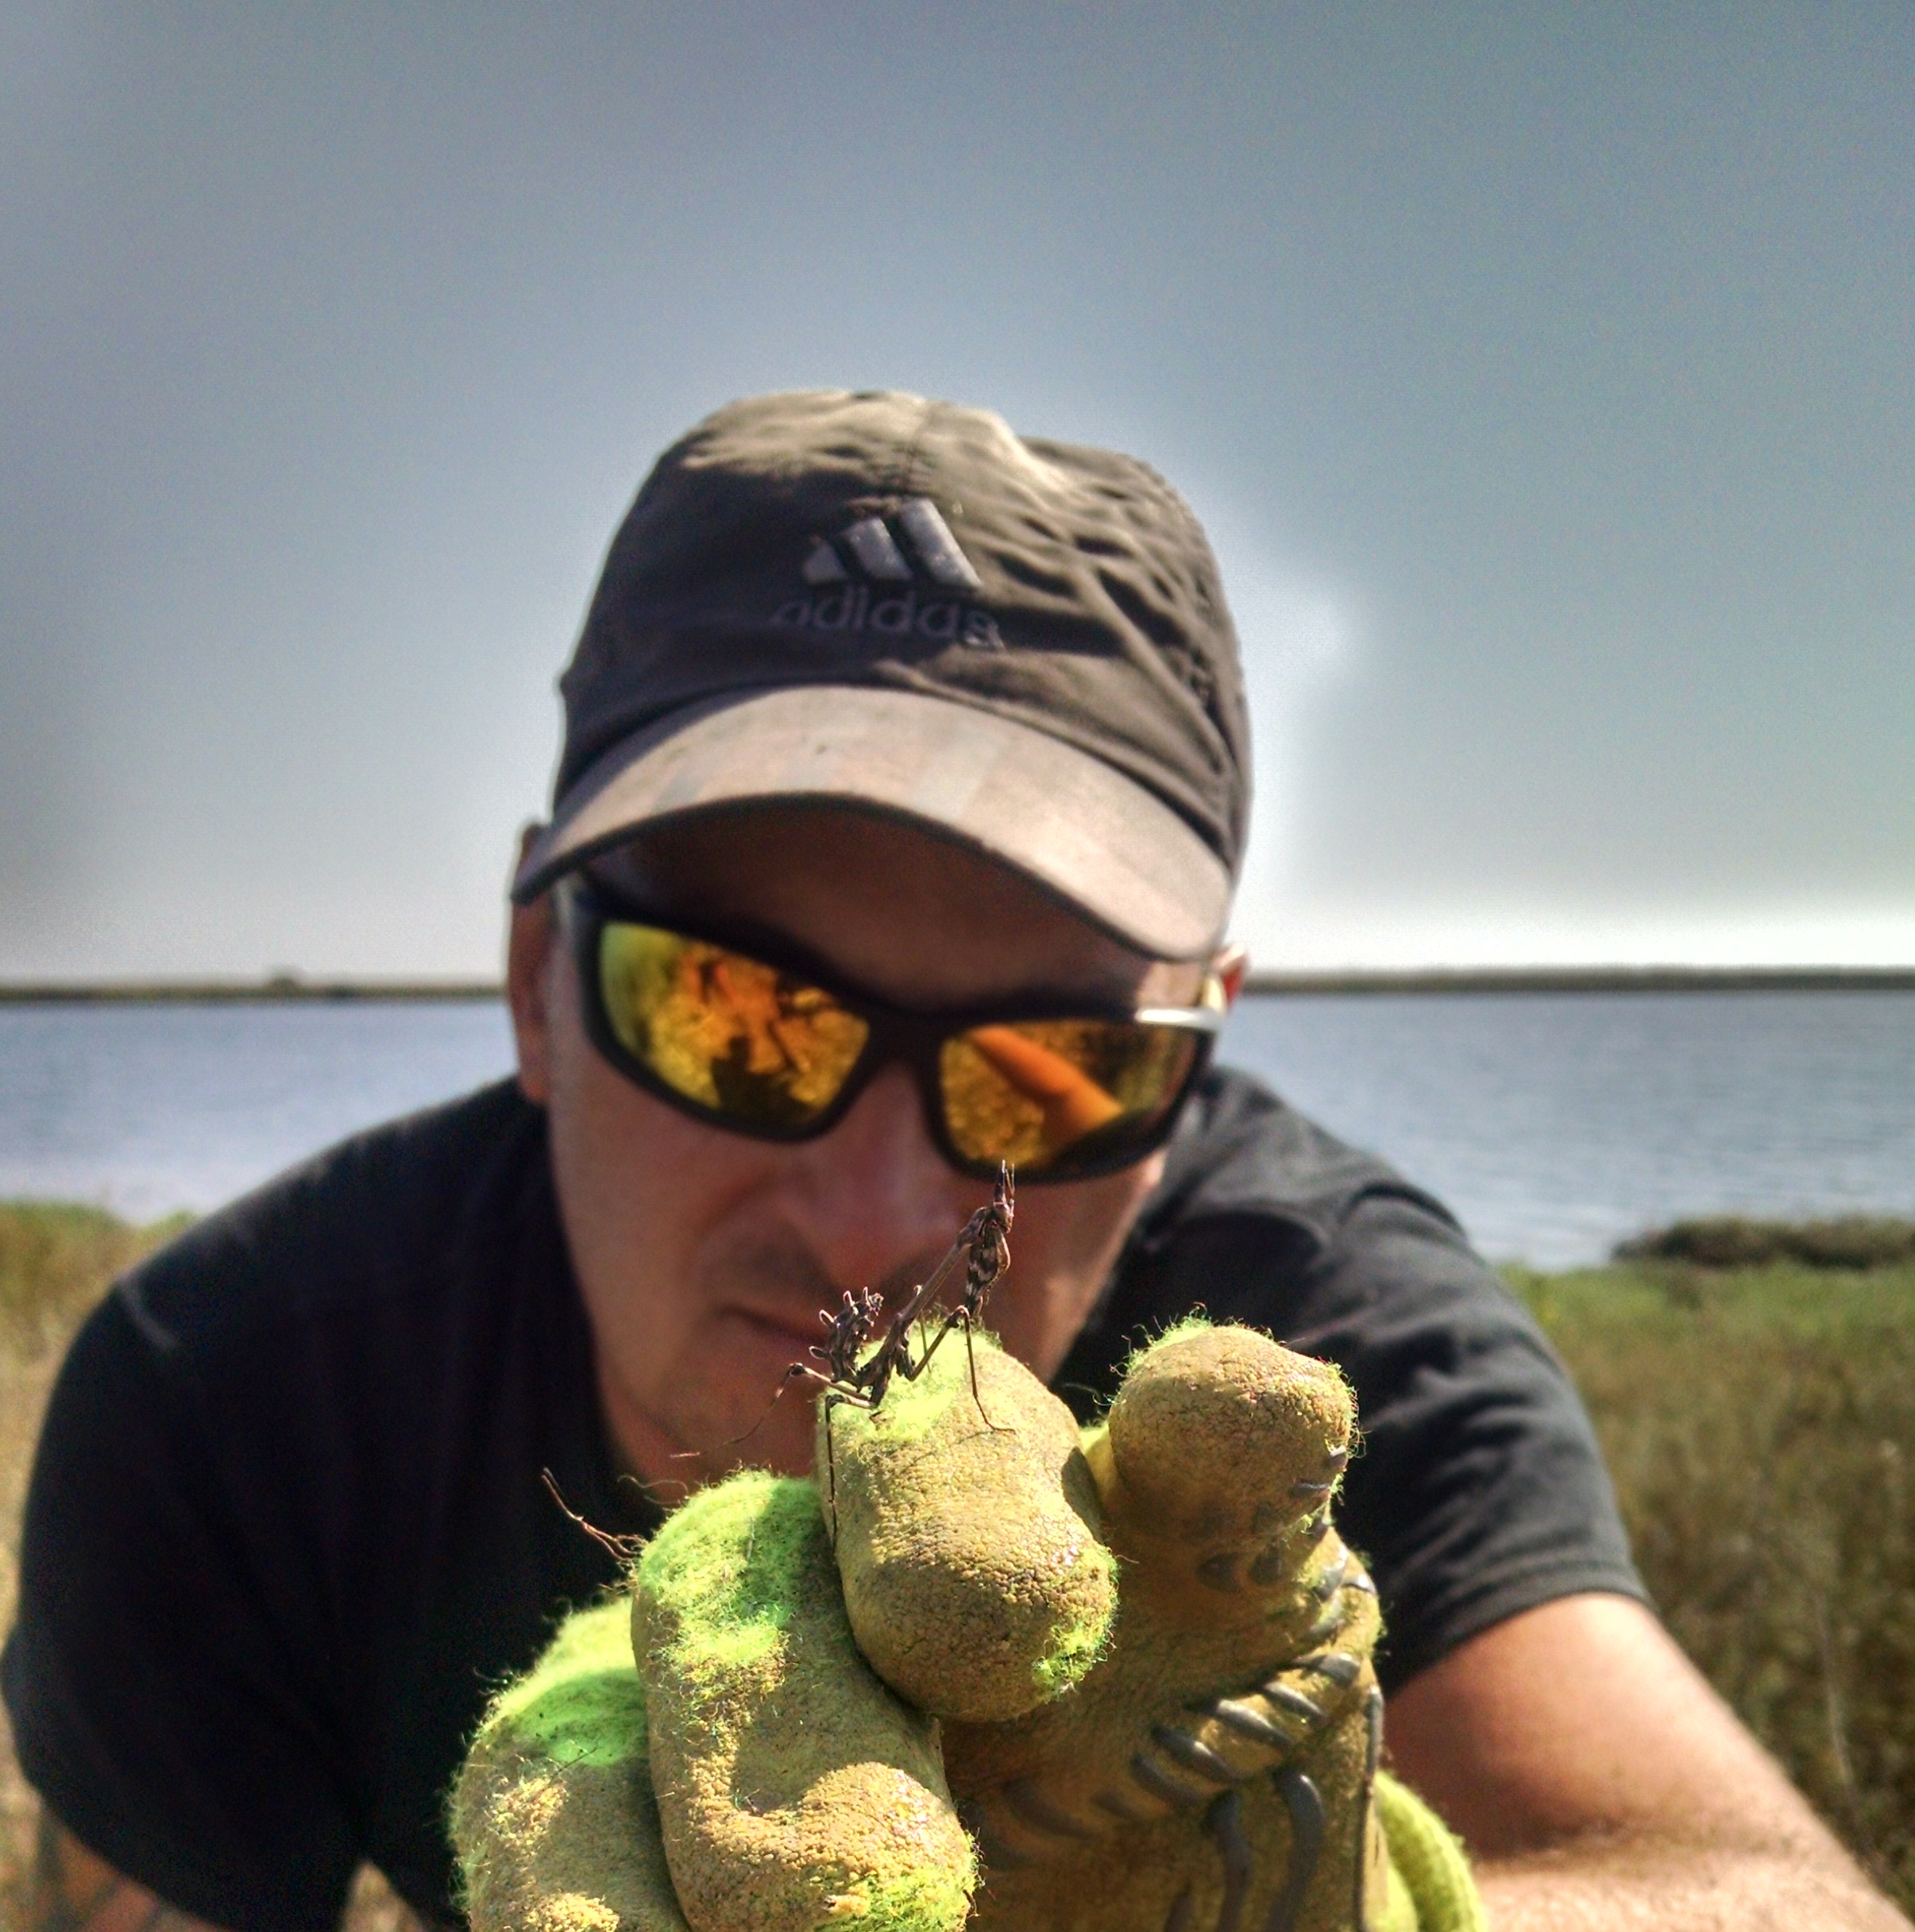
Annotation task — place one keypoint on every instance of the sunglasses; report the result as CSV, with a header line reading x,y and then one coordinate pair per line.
x,y
775,1048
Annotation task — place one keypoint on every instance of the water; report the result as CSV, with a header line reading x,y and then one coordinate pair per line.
x,y
144,1108
1553,1124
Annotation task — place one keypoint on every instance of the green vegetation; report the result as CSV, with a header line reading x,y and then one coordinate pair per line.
x,y
1759,1419
1760,1425
1729,1241
54,1259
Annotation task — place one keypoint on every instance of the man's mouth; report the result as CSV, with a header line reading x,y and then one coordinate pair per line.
x,y
785,1326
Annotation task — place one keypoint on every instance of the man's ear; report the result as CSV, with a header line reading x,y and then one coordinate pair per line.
x,y
531,947
1230,965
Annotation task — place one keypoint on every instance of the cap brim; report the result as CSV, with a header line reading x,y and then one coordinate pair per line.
x,y
1078,828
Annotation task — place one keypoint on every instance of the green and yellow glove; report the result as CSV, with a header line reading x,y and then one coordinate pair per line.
x,y
988,1668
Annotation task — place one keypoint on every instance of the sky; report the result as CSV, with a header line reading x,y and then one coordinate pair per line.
x,y
1545,376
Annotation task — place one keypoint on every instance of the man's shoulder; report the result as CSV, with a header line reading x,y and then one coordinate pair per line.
x,y
397,1211
309,1432
1263,1217
1244,1154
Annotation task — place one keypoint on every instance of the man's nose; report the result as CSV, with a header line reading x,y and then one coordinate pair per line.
x,y
874,1196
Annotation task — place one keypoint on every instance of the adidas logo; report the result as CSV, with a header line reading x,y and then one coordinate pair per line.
x,y
874,549
912,550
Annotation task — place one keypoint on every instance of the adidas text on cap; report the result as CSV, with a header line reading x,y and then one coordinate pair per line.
x,y
903,606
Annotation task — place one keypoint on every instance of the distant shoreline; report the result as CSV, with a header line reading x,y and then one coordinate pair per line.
x,y
283,989
276,991
1593,979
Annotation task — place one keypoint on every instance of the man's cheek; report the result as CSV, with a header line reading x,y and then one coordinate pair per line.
x,y
1062,1251
729,1400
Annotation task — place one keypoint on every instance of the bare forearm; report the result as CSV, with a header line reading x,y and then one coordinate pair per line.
x,y
1600,1783
72,1889
1625,1886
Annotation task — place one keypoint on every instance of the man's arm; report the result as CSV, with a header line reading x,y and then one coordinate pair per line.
x,y
1599,1782
75,1890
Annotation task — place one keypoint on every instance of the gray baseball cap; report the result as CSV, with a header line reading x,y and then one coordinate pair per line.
x,y
903,607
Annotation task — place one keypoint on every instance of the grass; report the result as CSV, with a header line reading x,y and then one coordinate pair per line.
x,y
55,1258
1759,1418
1759,1422
1858,1241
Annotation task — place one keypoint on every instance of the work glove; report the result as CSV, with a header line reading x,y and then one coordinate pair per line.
x,y
985,1667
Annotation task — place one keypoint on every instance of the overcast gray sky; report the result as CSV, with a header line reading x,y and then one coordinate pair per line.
x,y
1547,376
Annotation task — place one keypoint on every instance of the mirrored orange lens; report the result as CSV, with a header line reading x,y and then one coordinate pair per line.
x,y
1050,1094
726,1031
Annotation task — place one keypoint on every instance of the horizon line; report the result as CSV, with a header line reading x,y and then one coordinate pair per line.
x,y
287,987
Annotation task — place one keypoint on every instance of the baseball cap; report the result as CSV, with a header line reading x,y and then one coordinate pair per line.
x,y
903,607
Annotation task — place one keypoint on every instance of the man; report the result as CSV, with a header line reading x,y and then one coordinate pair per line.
x,y
904,788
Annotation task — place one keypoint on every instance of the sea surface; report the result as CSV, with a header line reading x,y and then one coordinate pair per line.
x,y
1553,1124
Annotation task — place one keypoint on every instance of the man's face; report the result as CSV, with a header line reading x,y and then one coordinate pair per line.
x,y
703,1256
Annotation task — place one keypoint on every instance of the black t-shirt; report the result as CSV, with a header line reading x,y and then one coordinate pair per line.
x,y
287,1528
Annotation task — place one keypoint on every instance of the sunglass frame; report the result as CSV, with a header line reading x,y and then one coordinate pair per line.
x,y
896,1035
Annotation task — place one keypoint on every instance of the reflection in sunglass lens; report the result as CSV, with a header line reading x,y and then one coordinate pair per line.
x,y
1050,1095
726,1031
